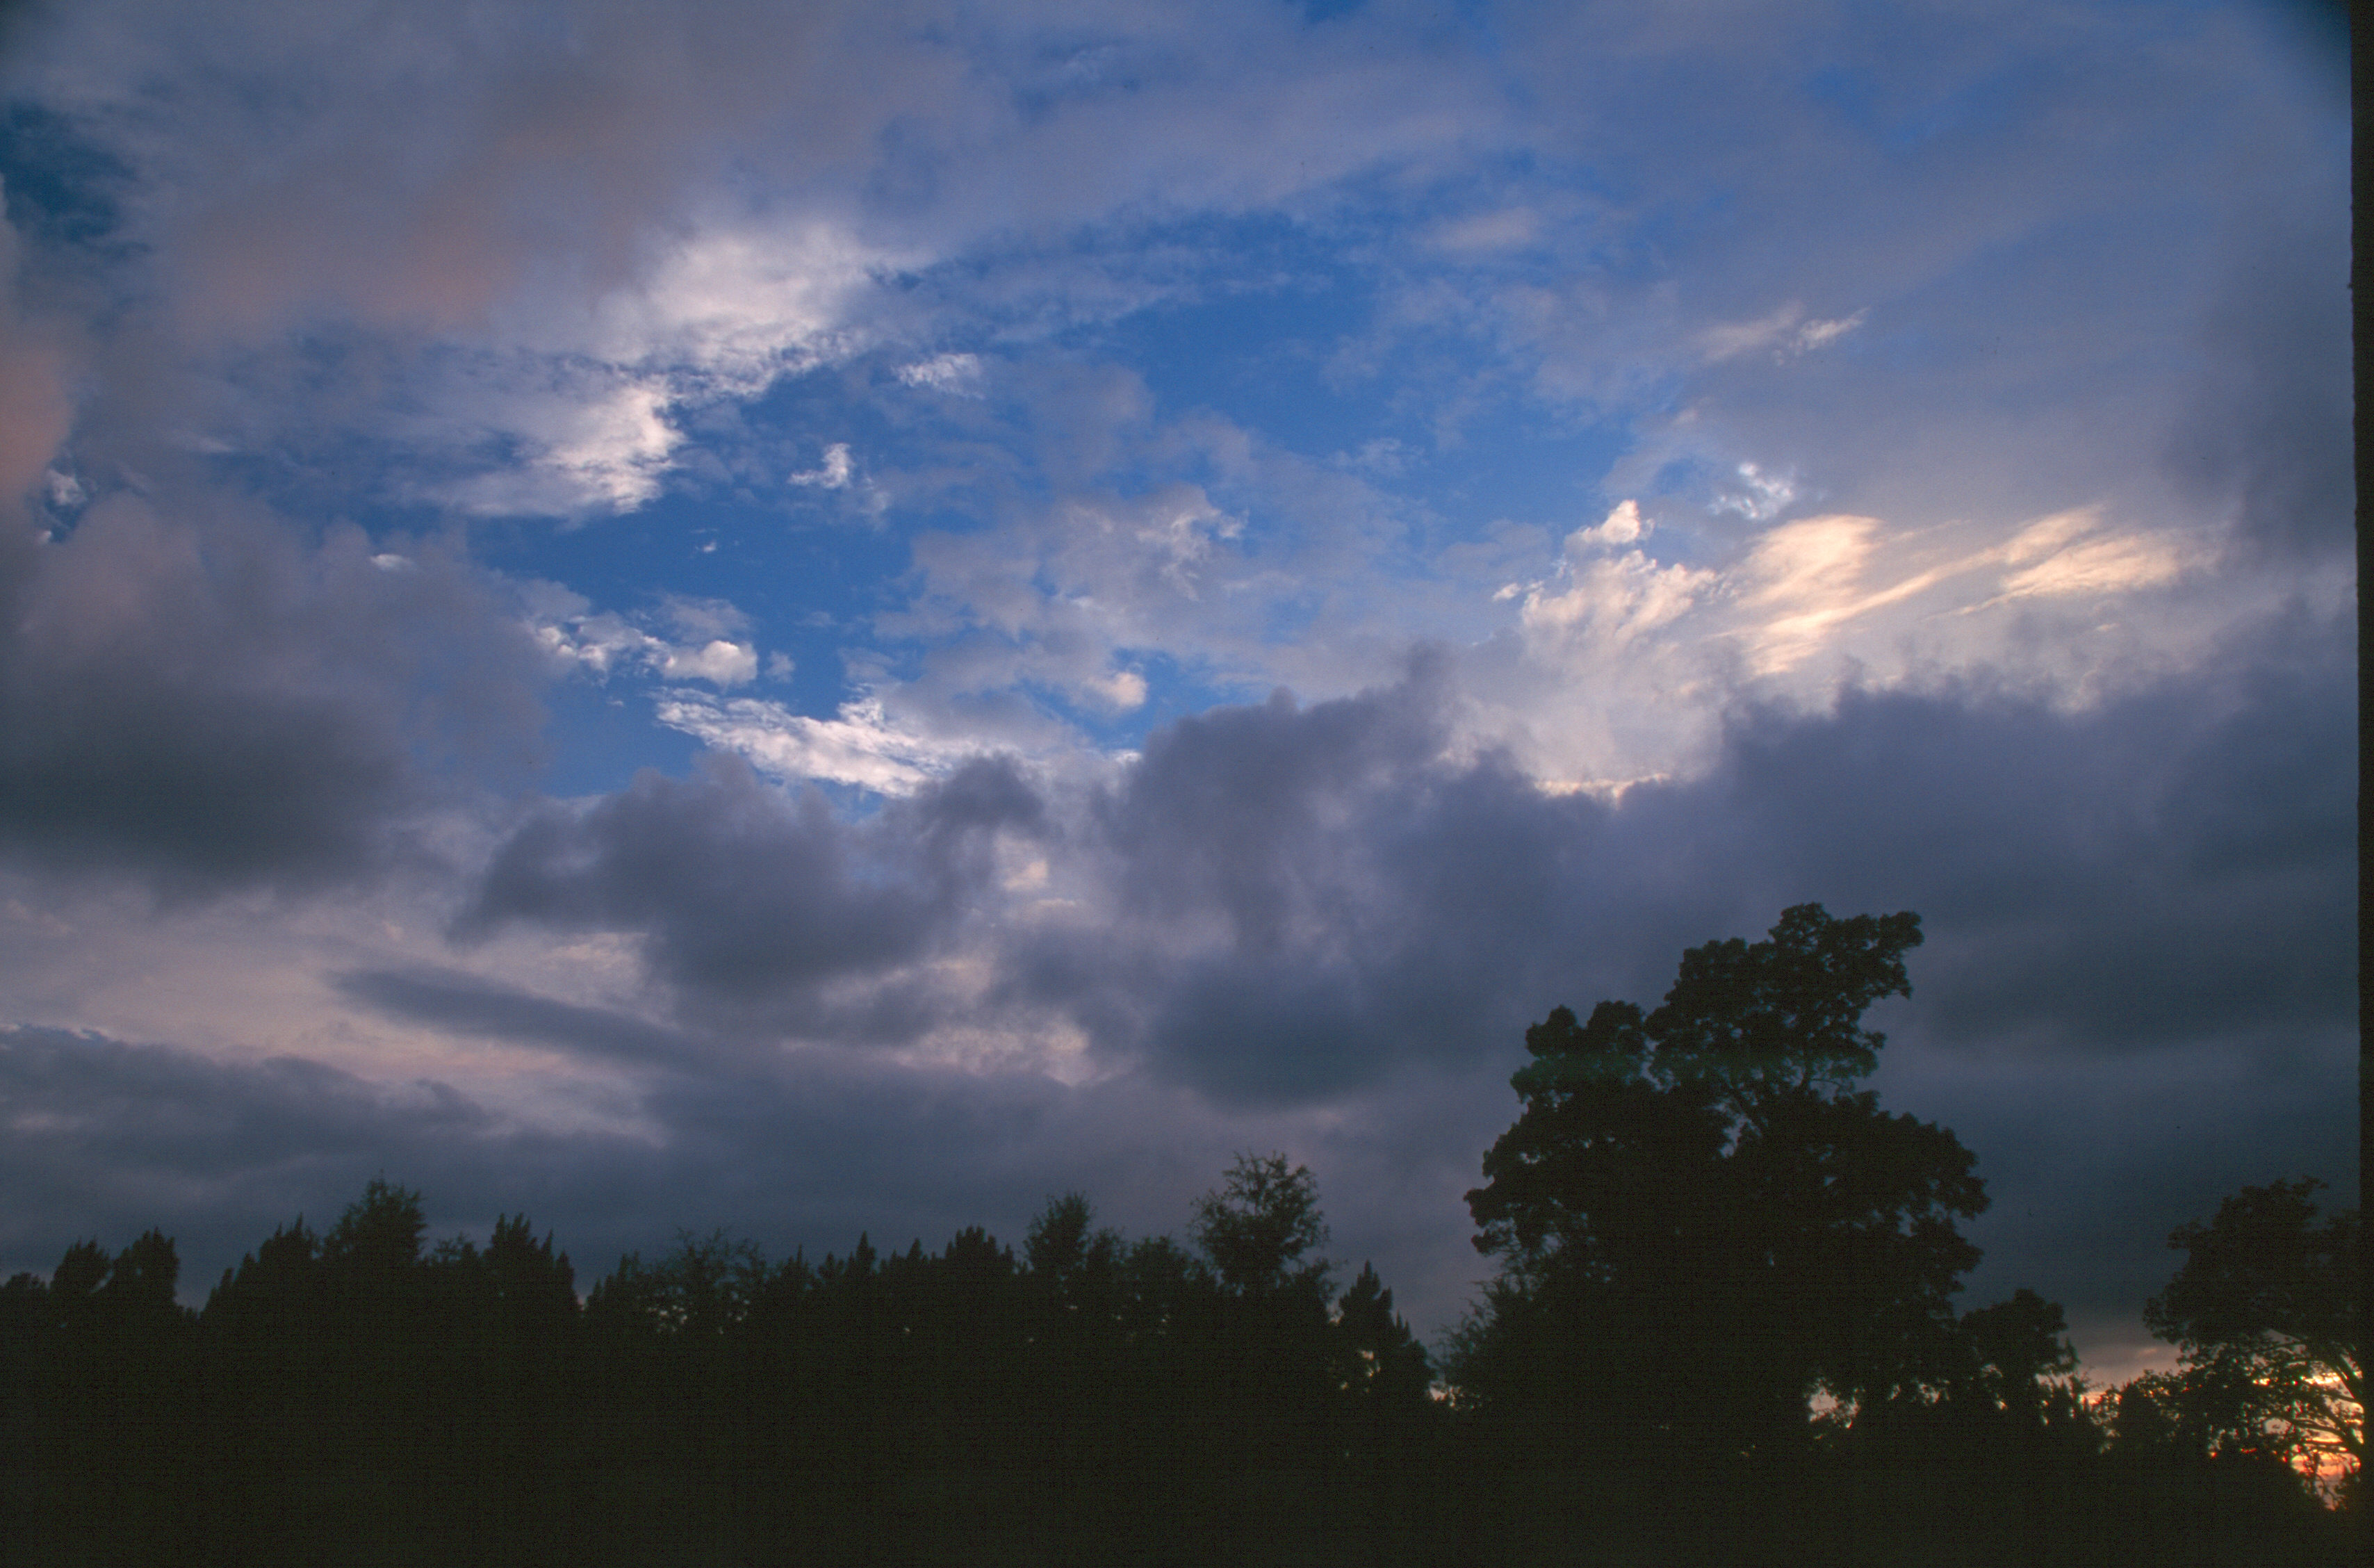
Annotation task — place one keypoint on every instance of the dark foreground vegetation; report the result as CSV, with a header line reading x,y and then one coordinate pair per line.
x,y
1722,1332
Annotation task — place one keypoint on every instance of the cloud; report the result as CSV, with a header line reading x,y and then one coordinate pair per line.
x,y
2115,565
1786,332
717,661
1802,580
458,1001
216,704
791,1150
746,899
107,1138
35,408
832,475
1941,430
2265,435
2168,868
2090,1163
1504,229
571,408
1300,898
1294,902
1061,600
1304,907
1624,525
1808,561
1330,922
1765,497
532,295
618,220
860,747
567,628
1916,185
959,375
99,1130
1613,600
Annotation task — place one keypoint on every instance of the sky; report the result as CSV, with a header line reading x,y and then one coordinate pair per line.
x,y
827,618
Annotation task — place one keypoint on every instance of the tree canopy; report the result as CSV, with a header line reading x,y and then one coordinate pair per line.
x,y
2264,1310
1260,1226
1702,1222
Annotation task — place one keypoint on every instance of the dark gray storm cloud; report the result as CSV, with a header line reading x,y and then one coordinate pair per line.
x,y
2267,434
1316,896
220,703
746,899
103,1132
1311,897
1303,900
467,1004
2175,865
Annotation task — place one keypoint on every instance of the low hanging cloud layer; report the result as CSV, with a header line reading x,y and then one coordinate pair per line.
x,y
840,618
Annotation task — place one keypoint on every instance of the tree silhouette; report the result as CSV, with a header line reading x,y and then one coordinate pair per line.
x,y
2264,1310
1380,1366
25,1336
377,1287
377,1240
1266,1346
1259,1226
352,1396
75,1286
1702,1222
529,1293
269,1349
102,1328
1064,1242
2023,1367
699,1291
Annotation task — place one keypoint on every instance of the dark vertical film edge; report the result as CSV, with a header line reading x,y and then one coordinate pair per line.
x,y
2362,290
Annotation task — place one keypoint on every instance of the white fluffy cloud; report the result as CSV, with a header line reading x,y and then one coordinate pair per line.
x,y
602,642
959,375
862,745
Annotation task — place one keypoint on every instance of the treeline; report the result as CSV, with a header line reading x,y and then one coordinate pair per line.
x,y
1723,1329
358,1395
